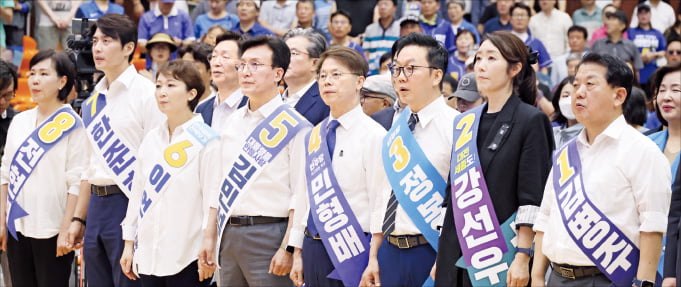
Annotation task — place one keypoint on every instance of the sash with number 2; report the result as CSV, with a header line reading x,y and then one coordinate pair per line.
x,y
30,152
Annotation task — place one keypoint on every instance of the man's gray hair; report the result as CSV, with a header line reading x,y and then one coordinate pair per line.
x,y
317,41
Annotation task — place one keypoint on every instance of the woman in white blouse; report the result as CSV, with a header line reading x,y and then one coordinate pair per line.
x,y
177,176
44,158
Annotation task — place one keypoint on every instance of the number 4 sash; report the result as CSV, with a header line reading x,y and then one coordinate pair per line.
x,y
595,235
30,152
340,232
261,146
485,245
417,185
115,152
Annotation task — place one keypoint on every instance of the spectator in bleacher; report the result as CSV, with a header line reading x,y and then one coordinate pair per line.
x,y
377,93
217,15
550,26
212,34
485,12
204,6
650,43
361,12
589,16
98,8
248,25
323,10
340,26
520,17
577,40
615,44
674,30
159,49
456,11
15,32
501,22
673,53
277,16
567,126
380,35
662,15
602,32
435,25
165,18
465,48
466,94
198,53
305,15
53,23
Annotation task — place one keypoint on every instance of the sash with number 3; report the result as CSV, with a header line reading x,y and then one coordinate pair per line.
x,y
30,152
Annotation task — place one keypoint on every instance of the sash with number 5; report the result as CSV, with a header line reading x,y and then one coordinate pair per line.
x,y
184,149
595,235
112,149
261,146
485,245
338,228
30,152
417,185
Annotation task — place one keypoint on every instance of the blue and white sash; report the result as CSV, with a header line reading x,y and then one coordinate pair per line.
x,y
30,152
261,146
486,248
341,233
115,152
591,230
417,185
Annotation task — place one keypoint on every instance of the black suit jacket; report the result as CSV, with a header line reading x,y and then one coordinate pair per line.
x,y
515,172
206,109
672,266
311,105
384,117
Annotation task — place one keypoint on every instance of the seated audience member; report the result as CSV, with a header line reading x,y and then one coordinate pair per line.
x,y
410,24
674,31
550,25
634,109
456,11
520,17
615,44
277,16
97,8
212,34
305,16
377,93
577,40
248,25
340,27
217,15
380,36
323,10
503,21
662,15
448,85
572,61
165,18
465,48
467,95
435,25
160,49
385,59
649,41
673,53
589,16
602,32
567,126
199,55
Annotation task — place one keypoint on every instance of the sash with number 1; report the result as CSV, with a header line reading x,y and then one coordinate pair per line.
x,y
112,149
30,152
418,186
261,146
485,245
338,228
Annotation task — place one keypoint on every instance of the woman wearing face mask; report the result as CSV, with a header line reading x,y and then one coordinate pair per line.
x,y
568,127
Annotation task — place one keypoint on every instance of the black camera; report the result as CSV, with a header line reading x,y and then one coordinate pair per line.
x,y
80,46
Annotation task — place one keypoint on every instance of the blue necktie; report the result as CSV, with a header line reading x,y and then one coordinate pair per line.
x,y
331,144
391,210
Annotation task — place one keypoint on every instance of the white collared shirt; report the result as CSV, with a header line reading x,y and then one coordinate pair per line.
x,y
170,235
292,99
358,168
133,111
434,133
56,175
271,192
222,110
552,31
625,176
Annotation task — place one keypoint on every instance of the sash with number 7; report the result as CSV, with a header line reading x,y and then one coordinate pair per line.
x,y
261,146
30,152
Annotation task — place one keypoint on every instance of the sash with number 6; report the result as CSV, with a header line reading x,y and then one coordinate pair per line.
x,y
486,249
417,185
108,145
591,230
185,148
338,228
30,152
261,146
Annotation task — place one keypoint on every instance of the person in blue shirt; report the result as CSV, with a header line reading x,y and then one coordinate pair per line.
x,y
248,11
217,15
168,19
501,22
465,47
651,44
435,26
456,11
520,19
98,8
339,27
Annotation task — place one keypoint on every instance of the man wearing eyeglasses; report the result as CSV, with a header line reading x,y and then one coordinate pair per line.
x,y
673,54
409,237
377,94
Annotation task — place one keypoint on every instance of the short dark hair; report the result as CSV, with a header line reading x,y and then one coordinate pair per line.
x,y
437,55
618,74
558,116
464,31
461,4
521,5
447,78
347,57
118,27
281,55
341,12
186,72
658,76
62,65
634,108
199,51
229,36
580,29
314,7
8,75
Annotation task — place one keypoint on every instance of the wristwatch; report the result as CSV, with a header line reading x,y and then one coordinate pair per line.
x,y
290,249
643,283
528,251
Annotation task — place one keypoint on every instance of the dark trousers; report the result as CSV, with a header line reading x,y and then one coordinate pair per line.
x,y
589,281
317,264
189,276
33,262
103,244
404,267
